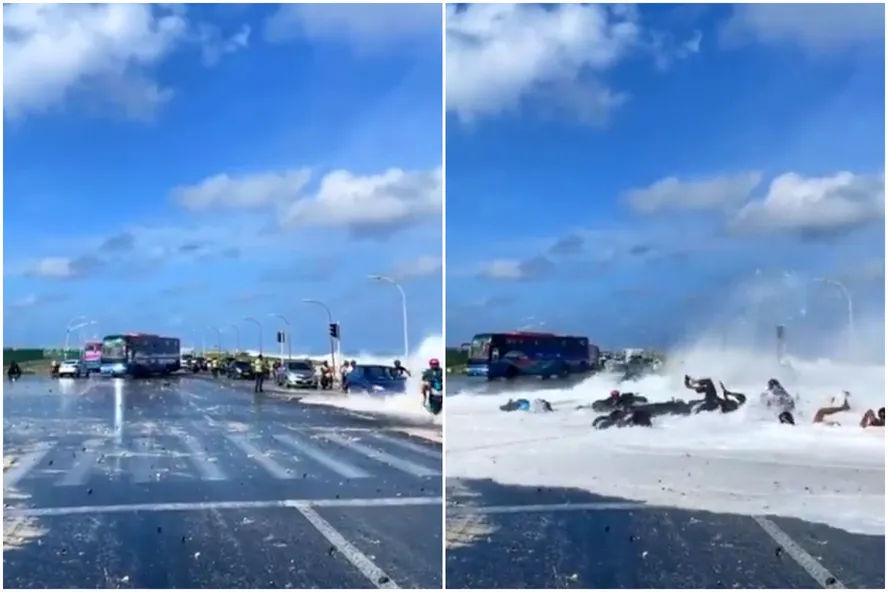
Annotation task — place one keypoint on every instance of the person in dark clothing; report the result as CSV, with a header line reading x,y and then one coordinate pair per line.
x,y
705,387
616,400
14,372
399,370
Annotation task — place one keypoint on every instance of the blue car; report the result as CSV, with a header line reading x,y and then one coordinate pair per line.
x,y
374,380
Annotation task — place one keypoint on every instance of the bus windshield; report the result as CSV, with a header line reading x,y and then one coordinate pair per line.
x,y
479,350
114,349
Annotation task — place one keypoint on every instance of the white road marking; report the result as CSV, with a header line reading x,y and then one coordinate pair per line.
x,y
407,466
242,505
536,508
141,460
209,470
248,448
813,567
362,563
25,463
84,463
408,445
344,469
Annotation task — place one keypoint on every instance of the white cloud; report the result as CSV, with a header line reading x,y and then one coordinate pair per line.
x,y
369,26
499,54
52,51
64,267
214,45
248,191
516,269
420,267
672,193
817,28
35,300
375,204
815,205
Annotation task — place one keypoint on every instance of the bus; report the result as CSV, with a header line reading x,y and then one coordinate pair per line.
x,y
140,354
92,356
545,355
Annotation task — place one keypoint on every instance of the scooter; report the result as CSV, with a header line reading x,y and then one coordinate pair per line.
x,y
434,400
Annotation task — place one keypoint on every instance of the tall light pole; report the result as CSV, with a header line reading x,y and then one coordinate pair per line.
x,y
258,324
330,320
388,280
287,334
849,301
70,329
218,337
236,338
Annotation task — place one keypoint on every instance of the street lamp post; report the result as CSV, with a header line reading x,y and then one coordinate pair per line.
x,y
289,344
849,301
382,278
236,338
218,338
330,320
259,325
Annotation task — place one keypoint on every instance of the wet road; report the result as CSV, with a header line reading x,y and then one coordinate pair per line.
x,y
502,536
187,484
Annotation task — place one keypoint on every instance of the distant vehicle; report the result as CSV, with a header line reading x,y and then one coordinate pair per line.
x,y
374,379
73,368
240,369
187,361
545,355
92,355
140,354
298,374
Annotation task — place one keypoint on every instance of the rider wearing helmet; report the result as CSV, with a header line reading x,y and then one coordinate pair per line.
x,y
432,380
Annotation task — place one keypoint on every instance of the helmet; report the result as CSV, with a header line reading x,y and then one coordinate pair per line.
x,y
397,363
773,383
434,363
615,394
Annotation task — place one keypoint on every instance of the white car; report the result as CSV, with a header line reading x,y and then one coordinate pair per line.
x,y
72,369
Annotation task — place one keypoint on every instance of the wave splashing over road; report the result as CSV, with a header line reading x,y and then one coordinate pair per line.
x,y
407,406
744,462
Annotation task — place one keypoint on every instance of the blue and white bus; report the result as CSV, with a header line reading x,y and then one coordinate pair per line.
x,y
140,354
544,355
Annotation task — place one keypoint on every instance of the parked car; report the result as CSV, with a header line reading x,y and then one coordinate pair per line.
x,y
73,369
374,379
240,369
298,374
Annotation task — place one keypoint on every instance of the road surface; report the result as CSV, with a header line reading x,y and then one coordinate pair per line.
x,y
501,536
189,484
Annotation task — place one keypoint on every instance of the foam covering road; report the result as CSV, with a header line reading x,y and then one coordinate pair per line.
x,y
192,483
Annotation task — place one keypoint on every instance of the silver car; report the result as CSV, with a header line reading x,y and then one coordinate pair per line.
x,y
298,374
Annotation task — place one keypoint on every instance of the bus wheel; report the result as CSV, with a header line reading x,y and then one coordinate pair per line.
x,y
511,373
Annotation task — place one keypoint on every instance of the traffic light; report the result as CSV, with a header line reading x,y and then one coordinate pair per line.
x,y
281,337
334,330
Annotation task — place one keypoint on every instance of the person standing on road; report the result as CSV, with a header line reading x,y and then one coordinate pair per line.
x,y
259,371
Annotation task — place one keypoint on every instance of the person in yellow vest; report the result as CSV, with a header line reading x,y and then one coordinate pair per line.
x,y
259,370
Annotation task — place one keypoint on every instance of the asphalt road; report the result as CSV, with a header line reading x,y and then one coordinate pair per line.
x,y
191,484
526,537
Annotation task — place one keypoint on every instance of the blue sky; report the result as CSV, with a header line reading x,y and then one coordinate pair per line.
x,y
172,167
637,174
